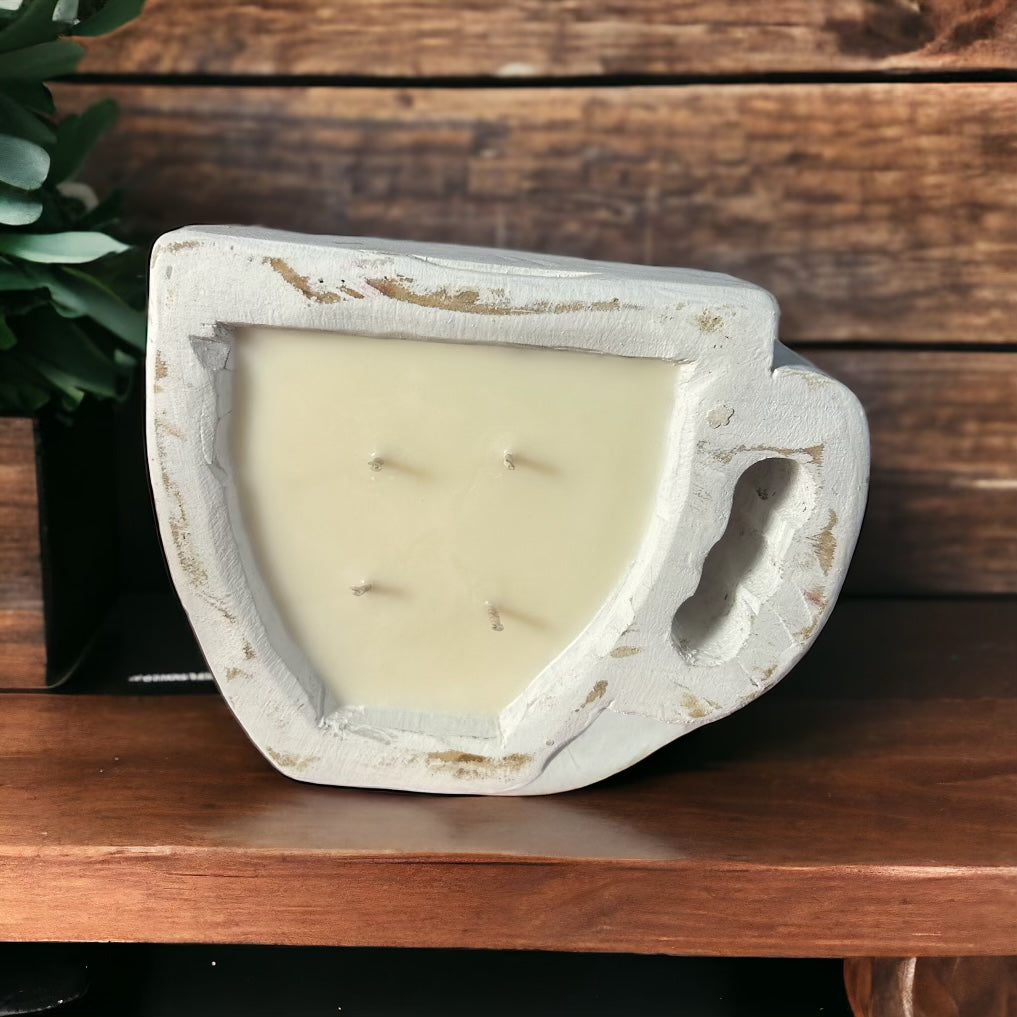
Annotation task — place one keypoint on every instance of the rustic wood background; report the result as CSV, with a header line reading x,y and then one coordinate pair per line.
x,y
857,157
22,655
557,38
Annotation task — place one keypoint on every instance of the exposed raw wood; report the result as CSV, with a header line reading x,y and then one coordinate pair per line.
x,y
874,212
22,654
942,515
559,37
823,827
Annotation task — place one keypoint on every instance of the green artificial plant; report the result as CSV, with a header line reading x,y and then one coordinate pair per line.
x,y
70,291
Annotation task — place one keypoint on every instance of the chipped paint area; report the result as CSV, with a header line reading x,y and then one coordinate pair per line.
x,y
469,301
248,651
302,284
812,379
182,245
470,765
720,416
236,672
180,535
817,599
805,632
812,452
709,322
626,651
825,544
290,760
597,692
161,371
694,706
163,424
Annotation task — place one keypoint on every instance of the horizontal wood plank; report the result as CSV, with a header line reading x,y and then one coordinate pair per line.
x,y
825,827
559,37
942,513
22,654
874,212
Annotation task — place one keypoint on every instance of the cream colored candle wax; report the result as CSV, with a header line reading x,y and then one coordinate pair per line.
x,y
436,522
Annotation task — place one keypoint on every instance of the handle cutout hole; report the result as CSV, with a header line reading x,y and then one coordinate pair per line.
x,y
772,499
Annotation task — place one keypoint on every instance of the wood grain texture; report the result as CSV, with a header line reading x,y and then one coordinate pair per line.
x,y
825,828
942,513
932,986
885,824
559,37
22,653
874,212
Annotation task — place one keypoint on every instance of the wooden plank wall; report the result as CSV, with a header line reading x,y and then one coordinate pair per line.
x,y
859,158
560,38
875,212
22,654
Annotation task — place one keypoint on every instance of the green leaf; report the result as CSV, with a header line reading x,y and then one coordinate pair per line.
x,y
22,163
32,95
41,63
66,10
18,209
18,120
20,398
16,302
75,137
125,274
104,214
78,294
12,277
123,360
65,356
7,337
33,25
105,308
72,248
64,383
109,17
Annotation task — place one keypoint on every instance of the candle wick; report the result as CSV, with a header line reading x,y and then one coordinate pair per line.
x,y
509,460
375,462
361,588
494,617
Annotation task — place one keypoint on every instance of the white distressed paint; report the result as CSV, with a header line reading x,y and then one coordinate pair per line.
x,y
767,460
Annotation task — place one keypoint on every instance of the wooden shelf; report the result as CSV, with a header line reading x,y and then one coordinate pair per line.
x,y
867,806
